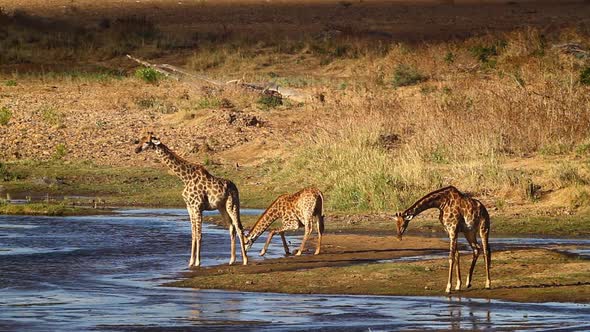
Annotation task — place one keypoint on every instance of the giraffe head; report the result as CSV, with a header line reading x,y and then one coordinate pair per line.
x,y
401,222
149,140
248,241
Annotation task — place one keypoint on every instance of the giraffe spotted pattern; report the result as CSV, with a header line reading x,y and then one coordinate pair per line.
x,y
458,213
295,211
202,191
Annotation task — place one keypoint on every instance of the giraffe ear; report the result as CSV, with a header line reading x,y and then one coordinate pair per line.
x,y
156,141
409,217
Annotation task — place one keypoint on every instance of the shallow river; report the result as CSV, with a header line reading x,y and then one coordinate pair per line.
x,y
103,273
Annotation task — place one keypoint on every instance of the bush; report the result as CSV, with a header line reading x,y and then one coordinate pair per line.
x,y
60,151
270,101
5,115
484,52
585,76
52,116
148,75
10,83
405,75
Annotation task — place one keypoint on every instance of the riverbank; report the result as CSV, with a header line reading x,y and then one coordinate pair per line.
x,y
379,265
49,209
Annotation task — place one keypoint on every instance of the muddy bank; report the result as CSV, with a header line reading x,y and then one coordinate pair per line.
x,y
378,265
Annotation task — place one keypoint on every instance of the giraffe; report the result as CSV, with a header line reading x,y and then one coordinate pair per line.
x,y
295,210
202,191
458,213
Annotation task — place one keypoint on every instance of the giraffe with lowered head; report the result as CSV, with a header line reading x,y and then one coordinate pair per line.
x,y
202,191
458,213
295,210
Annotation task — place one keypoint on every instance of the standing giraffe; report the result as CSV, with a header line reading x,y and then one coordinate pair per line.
x,y
202,191
295,210
458,213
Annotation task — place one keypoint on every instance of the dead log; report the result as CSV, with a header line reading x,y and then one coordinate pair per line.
x,y
262,88
573,49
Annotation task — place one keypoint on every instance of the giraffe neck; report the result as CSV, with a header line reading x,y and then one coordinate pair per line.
x,y
433,200
265,220
184,169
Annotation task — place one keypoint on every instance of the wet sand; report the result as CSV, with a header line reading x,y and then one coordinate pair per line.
x,y
381,265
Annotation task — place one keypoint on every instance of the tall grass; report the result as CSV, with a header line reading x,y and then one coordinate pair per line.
x,y
459,133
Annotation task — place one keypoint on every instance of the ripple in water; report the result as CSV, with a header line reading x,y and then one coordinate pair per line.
x,y
104,272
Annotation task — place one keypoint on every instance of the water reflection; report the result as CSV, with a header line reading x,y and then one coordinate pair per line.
x,y
103,272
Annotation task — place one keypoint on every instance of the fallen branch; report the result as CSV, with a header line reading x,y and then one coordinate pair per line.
x,y
574,49
266,89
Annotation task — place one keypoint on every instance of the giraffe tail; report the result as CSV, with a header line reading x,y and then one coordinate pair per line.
x,y
321,213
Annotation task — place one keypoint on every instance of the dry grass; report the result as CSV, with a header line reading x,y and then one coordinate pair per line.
x,y
399,119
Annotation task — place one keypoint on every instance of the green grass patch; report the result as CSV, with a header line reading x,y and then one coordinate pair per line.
x,y
149,75
405,75
123,186
207,103
58,209
5,116
267,102
585,76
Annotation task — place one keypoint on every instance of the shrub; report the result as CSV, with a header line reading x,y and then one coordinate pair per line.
x,y
60,151
585,76
450,57
269,101
148,75
51,116
208,103
10,83
405,75
5,115
484,52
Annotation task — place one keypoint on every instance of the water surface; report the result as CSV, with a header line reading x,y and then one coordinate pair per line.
x,y
104,272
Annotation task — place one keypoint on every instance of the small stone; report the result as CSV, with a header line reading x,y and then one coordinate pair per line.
x,y
249,282
426,288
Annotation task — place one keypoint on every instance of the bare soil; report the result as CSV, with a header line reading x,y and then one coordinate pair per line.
x,y
356,264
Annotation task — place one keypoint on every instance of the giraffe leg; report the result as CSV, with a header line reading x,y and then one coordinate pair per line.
x,y
233,209
232,235
285,245
191,261
196,223
270,235
458,269
320,230
308,229
471,238
487,254
453,248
